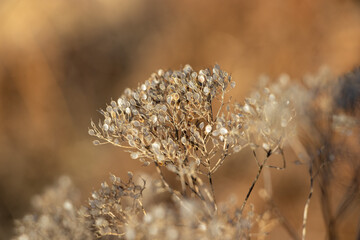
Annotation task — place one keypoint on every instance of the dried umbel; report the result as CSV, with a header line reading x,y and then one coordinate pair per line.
x,y
268,116
115,206
171,118
180,118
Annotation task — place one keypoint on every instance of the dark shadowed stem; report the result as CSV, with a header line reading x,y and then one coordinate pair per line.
x,y
253,184
166,185
174,193
349,197
352,192
219,162
325,174
212,190
195,191
177,195
325,204
209,174
306,208
200,187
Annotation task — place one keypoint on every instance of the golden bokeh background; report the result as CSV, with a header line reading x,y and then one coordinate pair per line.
x,y
61,61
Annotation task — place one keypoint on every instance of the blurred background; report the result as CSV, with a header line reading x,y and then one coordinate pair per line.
x,y
61,61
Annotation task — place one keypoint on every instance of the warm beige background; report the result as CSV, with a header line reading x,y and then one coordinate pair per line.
x,y
60,61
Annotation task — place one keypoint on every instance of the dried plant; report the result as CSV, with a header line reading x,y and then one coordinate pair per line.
x,y
171,120
56,215
114,207
331,146
183,122
180,120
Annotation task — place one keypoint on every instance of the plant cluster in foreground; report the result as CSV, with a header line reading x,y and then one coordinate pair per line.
x,y
183,122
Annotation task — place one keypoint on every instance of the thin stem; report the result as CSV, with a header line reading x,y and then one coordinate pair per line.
x,y
306,208
195,191
212,190
209,174
219,162
254,182
211,200
166,185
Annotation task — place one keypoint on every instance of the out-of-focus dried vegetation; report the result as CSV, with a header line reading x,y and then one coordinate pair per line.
x,y
60,60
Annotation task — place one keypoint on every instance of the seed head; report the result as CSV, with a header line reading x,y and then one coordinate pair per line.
x,y
169,117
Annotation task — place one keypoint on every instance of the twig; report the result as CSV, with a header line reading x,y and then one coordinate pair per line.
x,y
306,208
254,182
212,190
166,185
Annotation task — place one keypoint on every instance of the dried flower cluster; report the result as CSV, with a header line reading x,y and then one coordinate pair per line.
x,y
171,119
183,122
268,116
190,221
56,215
116,211
114,207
